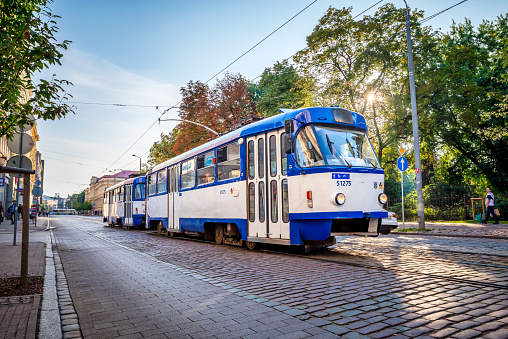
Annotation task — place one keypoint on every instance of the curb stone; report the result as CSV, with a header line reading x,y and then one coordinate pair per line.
x,y
69,320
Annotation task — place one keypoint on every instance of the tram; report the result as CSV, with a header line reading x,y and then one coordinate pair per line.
x,y
298,178
124,203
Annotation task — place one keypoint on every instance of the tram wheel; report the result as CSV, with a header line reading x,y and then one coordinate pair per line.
x,y
160,228
251,245
219,234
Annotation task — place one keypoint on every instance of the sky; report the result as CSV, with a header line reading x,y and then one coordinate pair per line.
x,y
140,53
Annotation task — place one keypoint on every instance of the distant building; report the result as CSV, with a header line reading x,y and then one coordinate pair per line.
x,y
95,192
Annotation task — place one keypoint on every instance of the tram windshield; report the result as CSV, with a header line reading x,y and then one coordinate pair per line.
x,y
339,147
139,192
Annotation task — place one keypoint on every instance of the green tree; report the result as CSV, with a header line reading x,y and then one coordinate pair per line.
x,y
282,87
362,66
163,150
28,45
463,91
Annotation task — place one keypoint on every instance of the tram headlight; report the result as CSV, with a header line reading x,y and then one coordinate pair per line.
x,y
382,198
340,199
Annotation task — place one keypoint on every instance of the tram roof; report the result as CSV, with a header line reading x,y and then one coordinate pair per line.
x,y
126,182
302,116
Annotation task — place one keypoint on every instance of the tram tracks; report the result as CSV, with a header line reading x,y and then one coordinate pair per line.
x,y
392,262
396,270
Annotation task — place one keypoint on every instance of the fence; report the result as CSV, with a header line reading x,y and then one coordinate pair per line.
x,y
443,208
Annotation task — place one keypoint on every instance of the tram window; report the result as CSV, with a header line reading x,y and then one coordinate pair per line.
x,y
252,202
273,201
262,202
228,161
120,194
110,196
139,192
250,156
175,178
152,184
171,179
161,181
206,168
284,157
261,158
308,153
285,201
128,193
273,155
188,178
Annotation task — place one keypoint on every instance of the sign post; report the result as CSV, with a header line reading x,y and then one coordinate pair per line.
x,y
402,165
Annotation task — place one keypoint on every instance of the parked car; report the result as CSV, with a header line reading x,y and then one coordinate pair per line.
x,y
388,224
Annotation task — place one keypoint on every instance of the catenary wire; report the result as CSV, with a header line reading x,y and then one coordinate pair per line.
x,y
168,109
174,106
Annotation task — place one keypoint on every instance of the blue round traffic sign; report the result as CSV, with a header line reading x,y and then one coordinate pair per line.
x,y
402,164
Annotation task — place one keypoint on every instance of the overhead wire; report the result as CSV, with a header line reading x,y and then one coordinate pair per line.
x,y
230,64
176,105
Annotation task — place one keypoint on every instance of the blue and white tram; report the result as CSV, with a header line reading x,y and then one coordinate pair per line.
x,y
124,203
298,178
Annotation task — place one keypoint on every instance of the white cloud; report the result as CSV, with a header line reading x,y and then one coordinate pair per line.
x,y
97,131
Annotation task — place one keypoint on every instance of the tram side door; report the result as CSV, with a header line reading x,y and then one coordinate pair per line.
x,y
128,205
267,187
173,194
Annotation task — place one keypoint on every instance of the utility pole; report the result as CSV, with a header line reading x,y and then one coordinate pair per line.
x,y
416,136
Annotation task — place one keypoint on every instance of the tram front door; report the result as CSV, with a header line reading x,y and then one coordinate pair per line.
x,y
268,209
128,205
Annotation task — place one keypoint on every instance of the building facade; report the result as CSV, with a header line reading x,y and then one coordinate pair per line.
x,y
95,192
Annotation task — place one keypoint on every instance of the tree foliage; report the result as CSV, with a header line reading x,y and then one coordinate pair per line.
x,y
463,93
230,100
361,65
226,103
28,45
163,150
282,87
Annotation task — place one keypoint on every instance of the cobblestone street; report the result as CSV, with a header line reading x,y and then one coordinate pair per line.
x,y
139,284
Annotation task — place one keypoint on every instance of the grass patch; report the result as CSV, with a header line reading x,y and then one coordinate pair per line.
x,y
414,229
467,221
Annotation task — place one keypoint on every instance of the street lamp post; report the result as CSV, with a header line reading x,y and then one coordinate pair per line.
x,y
134,155
416,137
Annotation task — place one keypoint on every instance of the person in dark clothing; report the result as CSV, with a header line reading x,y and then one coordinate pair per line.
x,y
13,210
489,206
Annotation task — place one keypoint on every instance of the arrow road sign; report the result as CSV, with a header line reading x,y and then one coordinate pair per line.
x,y
402,164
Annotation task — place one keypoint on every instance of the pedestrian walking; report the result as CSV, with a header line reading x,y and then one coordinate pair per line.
x,y
489,206
13,210
33,214
1,212
20,211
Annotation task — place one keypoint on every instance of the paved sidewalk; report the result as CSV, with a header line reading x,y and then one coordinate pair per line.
x,y
457,229
19,314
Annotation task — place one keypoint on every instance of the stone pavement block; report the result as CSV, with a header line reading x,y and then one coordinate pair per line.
x,y
498,334
465,324
372,328
466,334
388,332
417,331
489,326
339,330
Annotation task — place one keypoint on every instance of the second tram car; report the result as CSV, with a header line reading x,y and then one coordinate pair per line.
x,y
297,178
124,203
